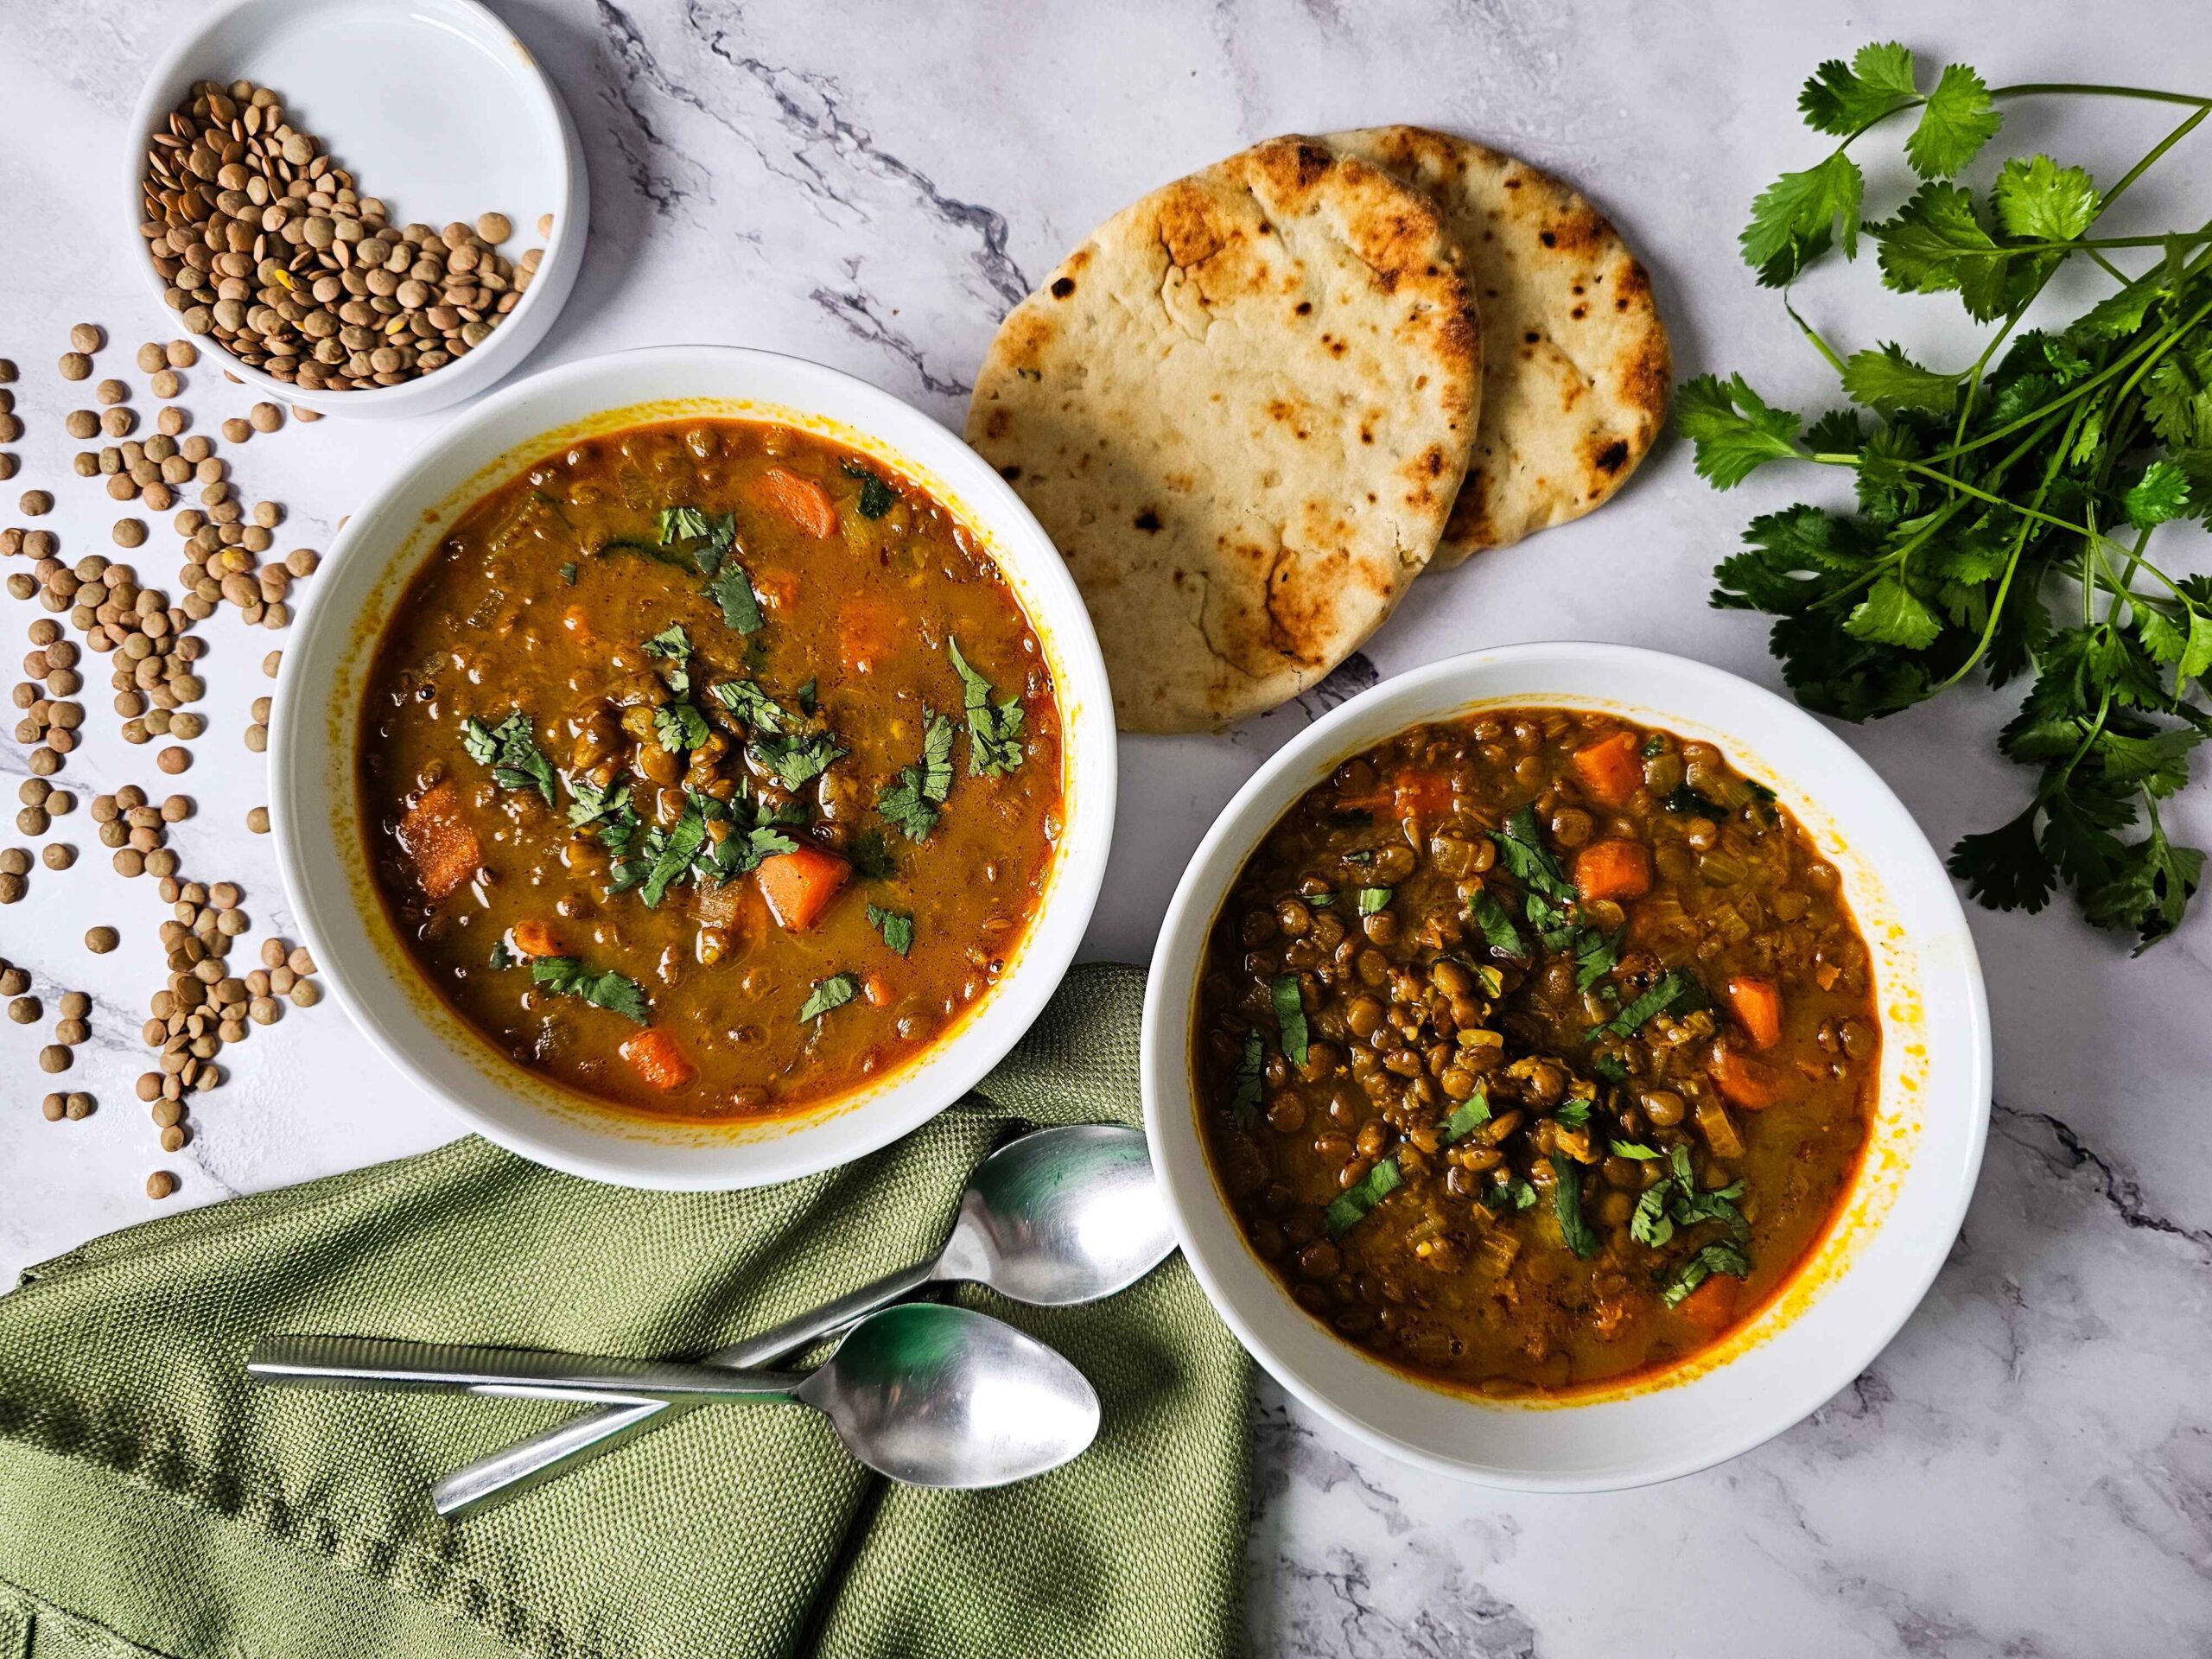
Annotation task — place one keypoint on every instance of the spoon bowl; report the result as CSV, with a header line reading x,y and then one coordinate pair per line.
x,y
941,1396
1061,1216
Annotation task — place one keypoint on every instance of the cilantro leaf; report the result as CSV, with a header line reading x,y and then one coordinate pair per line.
x,y
796,758
511,750
1937,244
1566,1205
1889,381
910,802
567,976
1521,844
732,589
1794,218
755,707
1374,900
680,727
872,860
1674,988
1733,430
1498,930
1957,120
1355,1201
831,993
1892,615
898,929
1290,1016
1842,98
1719,1256
994,730
2160,495
877,497
2038,201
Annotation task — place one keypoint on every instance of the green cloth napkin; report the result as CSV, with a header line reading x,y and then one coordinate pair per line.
x,y
152,1500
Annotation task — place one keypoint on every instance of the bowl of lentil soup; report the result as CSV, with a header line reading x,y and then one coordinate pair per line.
x,y
697,769
1567,1064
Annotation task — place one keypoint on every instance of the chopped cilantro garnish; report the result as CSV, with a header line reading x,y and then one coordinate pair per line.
x,y
898,930
759,711
1673,988
872,860
569,572
1290,1016
732,589
1566,1205
831,993
994,730
877,497
1719,1256
1596,955
805,694
679,727
1632,1149
910,803
1653,746
566,976
1575,1114
511,750
1684,799
1465,1119
1374,900
796,758
715,533
1611,1067
1499,932
1245,1104
1356,1200
501,957
1521,844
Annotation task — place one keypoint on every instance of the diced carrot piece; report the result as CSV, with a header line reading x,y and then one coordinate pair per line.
x,y
1712,1307
1610,770
436,836
654,1056
1423,795
1752,1084
797,497
798,885
1757,1003
1613,869
864,635
534,938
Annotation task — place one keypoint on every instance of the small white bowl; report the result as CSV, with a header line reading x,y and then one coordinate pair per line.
x,y
436,109
1871,1268
320,843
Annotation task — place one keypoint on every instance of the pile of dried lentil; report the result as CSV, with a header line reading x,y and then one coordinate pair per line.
x,y
267,246
156,675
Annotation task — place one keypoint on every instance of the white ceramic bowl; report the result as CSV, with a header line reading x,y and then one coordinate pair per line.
x,y
318,832
1875,1263
435,107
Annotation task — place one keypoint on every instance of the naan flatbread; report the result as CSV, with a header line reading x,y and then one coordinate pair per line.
x,y
1241,409
1575,363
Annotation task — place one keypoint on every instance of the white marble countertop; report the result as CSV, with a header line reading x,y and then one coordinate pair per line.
x,y
2027,1470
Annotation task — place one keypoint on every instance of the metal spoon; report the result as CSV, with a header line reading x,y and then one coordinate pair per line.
x,y
1053,1217
927,1394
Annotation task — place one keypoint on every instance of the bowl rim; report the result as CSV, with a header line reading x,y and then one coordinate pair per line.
x,y
824,1136
510,343
1188,1183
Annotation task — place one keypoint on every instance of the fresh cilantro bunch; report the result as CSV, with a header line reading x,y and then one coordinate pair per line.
x,y
2005,508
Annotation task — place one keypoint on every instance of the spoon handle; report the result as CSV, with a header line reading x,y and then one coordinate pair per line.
x,y
439,1368
570,1445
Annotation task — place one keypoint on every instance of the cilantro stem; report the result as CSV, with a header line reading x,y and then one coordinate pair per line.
x,y
2087,89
